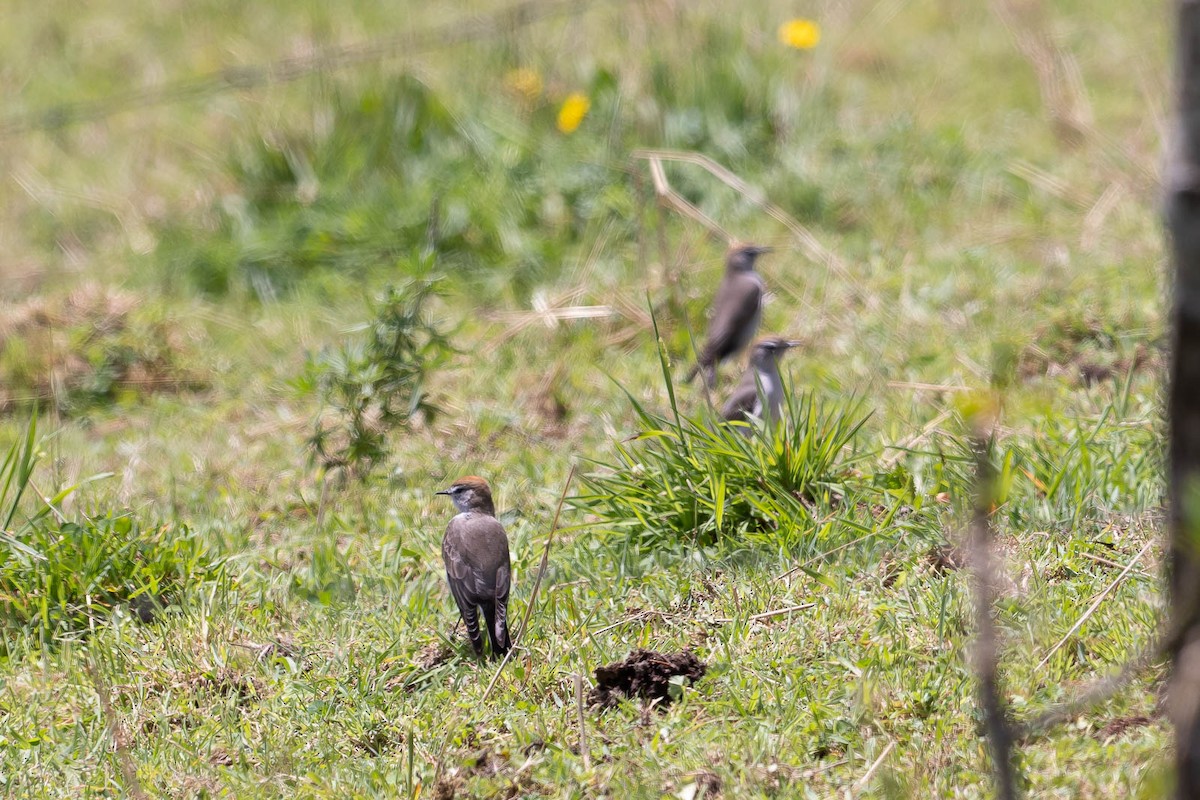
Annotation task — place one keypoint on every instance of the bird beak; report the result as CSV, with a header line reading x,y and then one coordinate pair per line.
x,y
758,251
443,491
794,343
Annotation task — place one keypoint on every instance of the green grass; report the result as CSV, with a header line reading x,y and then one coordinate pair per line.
x,y
978,248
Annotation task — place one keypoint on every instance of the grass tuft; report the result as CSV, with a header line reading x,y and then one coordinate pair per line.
x,y
703,480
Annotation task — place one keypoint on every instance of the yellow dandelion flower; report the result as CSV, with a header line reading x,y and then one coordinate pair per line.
x,y
524,82
803,34
572,112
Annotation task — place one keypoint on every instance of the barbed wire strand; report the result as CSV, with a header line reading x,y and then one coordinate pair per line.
x,y
286,70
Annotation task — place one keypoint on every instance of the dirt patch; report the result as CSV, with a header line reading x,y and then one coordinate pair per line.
x,y
1087,351
708,785
432,655
92,346
644,674
446,788
225,683
945,558
378,740
1120,725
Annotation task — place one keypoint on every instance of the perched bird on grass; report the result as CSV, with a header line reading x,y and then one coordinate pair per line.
x,y
736,311
475,550
760,392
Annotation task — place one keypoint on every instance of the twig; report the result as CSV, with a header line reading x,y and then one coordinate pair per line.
x,y
583,745
640,616
536,585
812,773
779,612
862,782
1099,691
1110,563
932,387
1095,604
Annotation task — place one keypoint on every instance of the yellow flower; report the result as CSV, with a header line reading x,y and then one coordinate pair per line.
x,y
803,34
524,82
572,112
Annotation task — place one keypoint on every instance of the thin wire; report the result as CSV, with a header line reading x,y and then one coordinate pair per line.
x,y
254,76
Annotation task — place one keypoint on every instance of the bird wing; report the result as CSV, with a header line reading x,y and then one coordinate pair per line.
x,y
502,584
459,572
736,303
744,399
475,550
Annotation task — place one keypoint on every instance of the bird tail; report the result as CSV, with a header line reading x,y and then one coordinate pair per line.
x,y
470,617
496,615
691,376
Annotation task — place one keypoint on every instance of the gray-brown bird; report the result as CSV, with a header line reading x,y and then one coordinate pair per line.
x,y
475,550
760,392
736,311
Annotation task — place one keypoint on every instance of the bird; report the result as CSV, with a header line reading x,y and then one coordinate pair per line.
x,y
475,551
760,391
736,311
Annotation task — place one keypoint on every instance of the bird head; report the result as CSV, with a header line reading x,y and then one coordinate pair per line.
x,y
741,257
768,350
471,493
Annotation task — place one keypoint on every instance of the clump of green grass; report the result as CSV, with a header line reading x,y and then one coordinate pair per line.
x,y
375,383
60,577
699,479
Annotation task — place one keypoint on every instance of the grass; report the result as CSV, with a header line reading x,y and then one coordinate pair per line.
x,y
984,239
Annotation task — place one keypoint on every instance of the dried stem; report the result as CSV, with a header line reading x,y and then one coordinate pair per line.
x,y
536,585
583,745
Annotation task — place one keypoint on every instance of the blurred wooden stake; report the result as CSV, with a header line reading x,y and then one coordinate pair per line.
x,y
986,651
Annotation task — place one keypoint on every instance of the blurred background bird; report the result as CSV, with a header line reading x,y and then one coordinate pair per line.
x,y
475,550
760,391
736,311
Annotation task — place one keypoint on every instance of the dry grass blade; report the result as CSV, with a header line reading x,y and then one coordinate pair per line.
x,y
779,612
1096,693
536,585
1059,79
662,188
862,782
1110,563
809,243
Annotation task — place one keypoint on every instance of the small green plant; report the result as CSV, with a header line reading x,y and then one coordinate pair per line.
x,y
59,576
704,480
375,383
